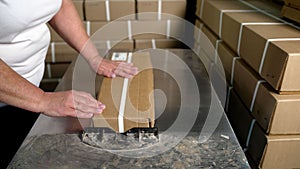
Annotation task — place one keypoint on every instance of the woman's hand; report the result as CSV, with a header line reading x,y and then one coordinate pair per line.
x,y
71,103
112,69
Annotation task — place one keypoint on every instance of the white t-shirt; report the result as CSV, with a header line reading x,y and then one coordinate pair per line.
x,y
24,35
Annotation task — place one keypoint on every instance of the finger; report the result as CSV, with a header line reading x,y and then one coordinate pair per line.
x,y
126,70
86,103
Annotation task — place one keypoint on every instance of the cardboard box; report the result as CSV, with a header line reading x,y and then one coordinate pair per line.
x,y
213,12
102,10
276,114
128,106
55,37
273,51
276,151
292,3
60,52
234,22
239,118
55,70
137,29
291,13
158,7
265,151
154,29
157,43
79,7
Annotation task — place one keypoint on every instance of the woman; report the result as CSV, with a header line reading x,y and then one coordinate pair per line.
x,y
24,40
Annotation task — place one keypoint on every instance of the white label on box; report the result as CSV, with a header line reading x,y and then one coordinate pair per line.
x,y
119,56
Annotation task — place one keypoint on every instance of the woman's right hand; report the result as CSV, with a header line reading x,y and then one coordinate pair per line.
x,y
71,103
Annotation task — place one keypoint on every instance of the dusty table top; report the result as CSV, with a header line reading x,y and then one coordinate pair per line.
x,y
56,142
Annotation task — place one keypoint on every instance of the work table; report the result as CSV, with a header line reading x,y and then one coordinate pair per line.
x,y
56,142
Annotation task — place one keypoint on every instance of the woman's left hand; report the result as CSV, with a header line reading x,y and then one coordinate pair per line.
x,y
113,69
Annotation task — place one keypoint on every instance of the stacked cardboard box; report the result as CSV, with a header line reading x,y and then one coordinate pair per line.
x,y
259,54
291,10
119,25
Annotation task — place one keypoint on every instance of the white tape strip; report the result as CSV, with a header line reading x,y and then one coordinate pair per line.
x,y
159,9
49,70
129,30
268,14
108,44
107,10
227,98
255,94
199,32
88,27
168,28
201,9
123,100
266,49
53,52
216,50
232,69
221,17
250,132
153,44
252,23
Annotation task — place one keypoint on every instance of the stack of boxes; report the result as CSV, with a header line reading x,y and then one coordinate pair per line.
x,y
291,10
260,57
121,25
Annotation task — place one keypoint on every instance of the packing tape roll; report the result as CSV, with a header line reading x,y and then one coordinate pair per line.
x,y
255,94
153,44
250,133
53,52
123,99
159,10
266,49
221,18
232,69
107,10
251,23
129,30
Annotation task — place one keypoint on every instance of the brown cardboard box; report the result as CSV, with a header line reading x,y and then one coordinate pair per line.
x,y
168,7
266,151
55,37
135,103
273,51
234,22
291,13
154,29
102,10
276,114
213,12
293,3
124,45
55,70
239,117
228,59
136,29
79,7
157,43
276,151
60,52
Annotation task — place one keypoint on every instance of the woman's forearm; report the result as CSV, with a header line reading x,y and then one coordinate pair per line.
x,y
17,91
69,26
